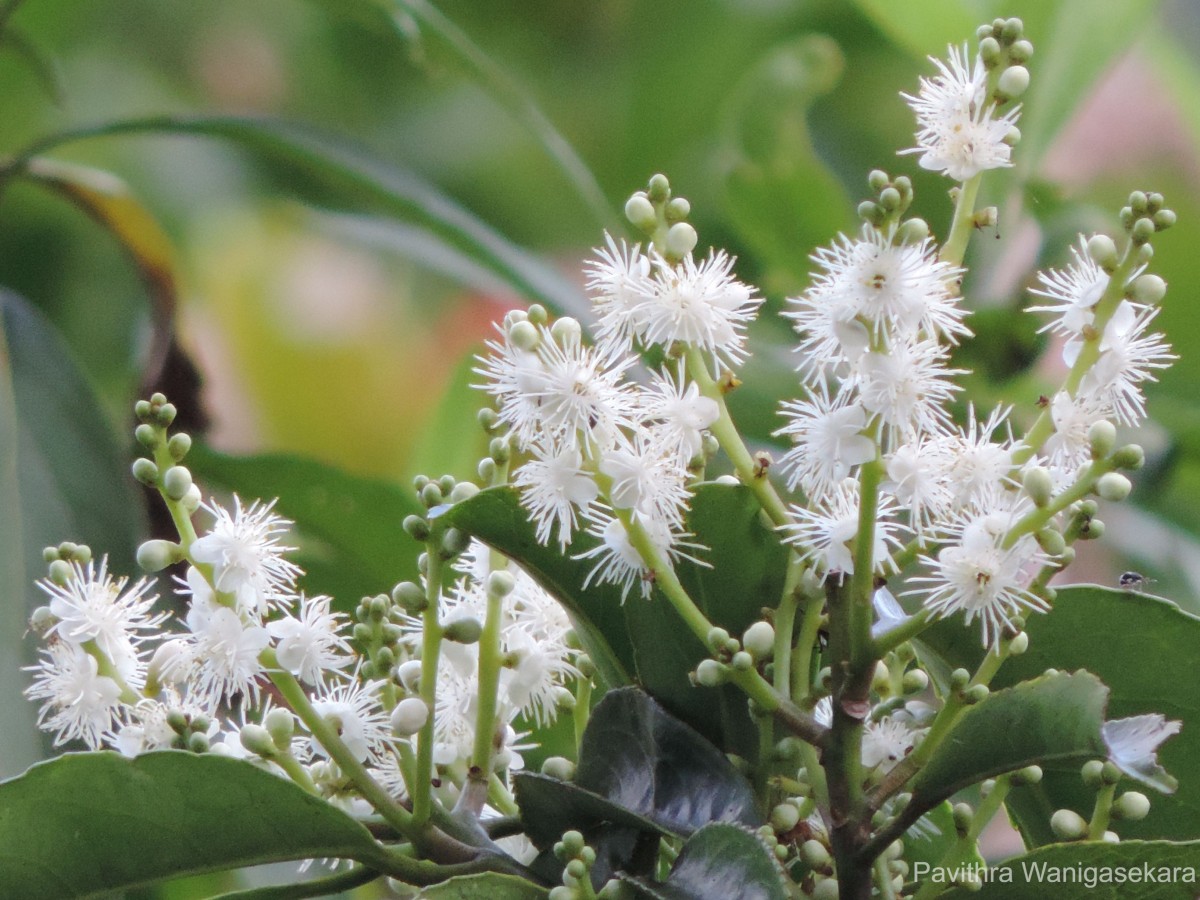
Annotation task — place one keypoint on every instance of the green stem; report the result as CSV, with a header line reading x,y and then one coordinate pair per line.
x,y
731,441
105,667
862,584
785,625
431,645
501,797
583,708
293,694
810,626
489,688
905,631
1039,517
955,247
883,879
179,516
964,847
1102,812
295,771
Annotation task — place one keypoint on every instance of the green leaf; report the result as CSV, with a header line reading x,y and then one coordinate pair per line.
x,y
718,862
352,543
925,28
747,563
779,194
329,171
63,476
1032,876
453,442
1138,646
488,886
930,838
1050,719
87,823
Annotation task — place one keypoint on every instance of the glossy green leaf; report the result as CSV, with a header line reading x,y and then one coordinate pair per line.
x,y
1054,718
63,476
332,172
1138,646
69,827
352,543
780,196
718,862
488,886
746,571
1094,871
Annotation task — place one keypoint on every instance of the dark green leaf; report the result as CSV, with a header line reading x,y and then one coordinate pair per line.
x,y
353,544
93,822
1137,645
718,862
1050,719
1033,876
488,886
63,476
332,172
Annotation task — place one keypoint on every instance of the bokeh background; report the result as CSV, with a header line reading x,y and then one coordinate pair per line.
x,y
335,199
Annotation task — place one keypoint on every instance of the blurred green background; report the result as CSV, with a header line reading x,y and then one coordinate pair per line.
x,y
350,191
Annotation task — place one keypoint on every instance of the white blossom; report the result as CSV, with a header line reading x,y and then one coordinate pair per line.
x,y
828,441
79,702
679,413
555,486
308,644
825,531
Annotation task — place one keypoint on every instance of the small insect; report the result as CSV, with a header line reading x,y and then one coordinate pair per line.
x,y
1134,581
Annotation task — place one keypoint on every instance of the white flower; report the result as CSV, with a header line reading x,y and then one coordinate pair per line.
x,y
979,465
619,282
226,651
246,556
80,703
1070,447
829,440
699,304
980,576
958,132
886,742
354,711
1133,746
91,606
1128,357
554,487
1073,292
908,386
901,288
619,562
309,644
646,478
917,473
826,532
147,729
679,413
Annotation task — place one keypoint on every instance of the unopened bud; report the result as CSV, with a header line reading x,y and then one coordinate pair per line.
x,y
176,482
524,336
1131,457
1103,252
281,725
179,446
409,595
1068,825
258,740
500,584
1019,644
815,854
1038,485
914,681
463,631
409,674
1113,486
677,209
156,555
145,471
558,767
710,673
464,490
1132,805
1027,775
785,817
1148,289
759,640
681,240
60,572
409,716
640,212
742,661
1013,81
1102,437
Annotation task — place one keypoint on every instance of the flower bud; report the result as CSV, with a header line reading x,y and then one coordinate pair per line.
x,y
1019,644
60,572
976,693
1113,486
710,673
959,679
914,681
416,527
454,542
566,330
176,482
179,446
197,742
989,51
827,889
257,740
681,240
1131,805
281,725
464,490
1051,540
1093,531
640,212
1102,437
963,816
431,495
1103,252
409,595
742,661
1143,229
1038,485
192,499
558,767
1091,772
759,640
409,716
889,199
913,231
659,188
409,674
1148,289
785,817
815,854
500,584
463,631
677,209
145,471
524,336
1068,825
878,180
1027,775
156,555
146,435
717,638
1013,81
41,620
1164,219
1131,457
1021,51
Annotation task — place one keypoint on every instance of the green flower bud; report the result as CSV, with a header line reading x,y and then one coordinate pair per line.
x,y
537,314
1145,253
826,889
500,450
1012,30
1102,437
1021,51
878,180
141,409
959,679
658,189
785,817
464,490
258,740
1109,773
524,336
409,595
562,892
409,716
989,51
573,843
431,495
409,674
914,681
677,209
156,555
147,435
1019,644
1131,805
1068,825
566,330
1164,219
1148,289
1143,229
454,542
759,640
717,638
198,742
1103,251
145,471
913,231
1013,81
1093,531
1051,540
486,469
1038,485
281,725
681,240
166,414
176,482
558,767
640,212
1113,487
191,500
710,673
500,583
1131,457
60,572
488,421
871,212
179,446
417,527
742,661
513,316
976,693
1027,775
463,631
362,633
963,816
1012,137
815,854
577,870
889,199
